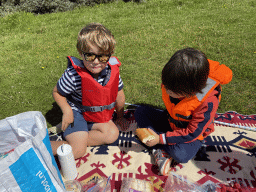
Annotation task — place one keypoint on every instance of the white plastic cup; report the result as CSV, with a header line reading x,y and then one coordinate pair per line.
x,y
67,162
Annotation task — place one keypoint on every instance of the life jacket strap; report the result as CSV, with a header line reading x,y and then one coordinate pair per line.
x,y
98,108
92,108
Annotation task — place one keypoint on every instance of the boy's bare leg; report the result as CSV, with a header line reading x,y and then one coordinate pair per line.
x,y
78,142
103,133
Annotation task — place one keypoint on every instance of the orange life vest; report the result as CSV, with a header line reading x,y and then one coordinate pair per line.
x,y
181,112
98,102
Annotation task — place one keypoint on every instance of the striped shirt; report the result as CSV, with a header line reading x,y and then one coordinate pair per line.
x,y
69,85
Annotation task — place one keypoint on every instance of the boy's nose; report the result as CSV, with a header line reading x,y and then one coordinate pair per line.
x,y
96,60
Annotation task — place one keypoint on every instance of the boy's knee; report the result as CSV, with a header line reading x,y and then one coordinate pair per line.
x,y
181,157
78,153
140,111
181,160
112,135
181,153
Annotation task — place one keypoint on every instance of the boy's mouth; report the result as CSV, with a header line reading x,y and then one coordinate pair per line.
x,y
96,67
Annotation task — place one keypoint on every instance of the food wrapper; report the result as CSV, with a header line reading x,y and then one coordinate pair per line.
x,y
178,183
97,185
136,185
73,185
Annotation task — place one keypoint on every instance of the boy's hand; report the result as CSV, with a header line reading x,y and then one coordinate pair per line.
x,y
67,118
155,141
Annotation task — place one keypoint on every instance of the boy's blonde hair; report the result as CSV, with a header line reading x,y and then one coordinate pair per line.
x,y
95,34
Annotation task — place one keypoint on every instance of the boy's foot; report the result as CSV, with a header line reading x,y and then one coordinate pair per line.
x,y
162,162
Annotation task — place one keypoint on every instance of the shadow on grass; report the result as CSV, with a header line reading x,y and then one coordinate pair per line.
x,y
54,116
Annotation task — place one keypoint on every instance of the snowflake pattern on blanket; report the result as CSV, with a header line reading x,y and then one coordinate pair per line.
x,y
228,155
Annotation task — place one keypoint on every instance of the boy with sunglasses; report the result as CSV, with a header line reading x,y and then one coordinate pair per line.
x,y
89,91
191,92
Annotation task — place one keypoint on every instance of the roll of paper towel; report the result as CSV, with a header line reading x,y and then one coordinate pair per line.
x,y
67,162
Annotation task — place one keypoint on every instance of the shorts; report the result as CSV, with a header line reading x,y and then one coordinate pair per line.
x,y
80,124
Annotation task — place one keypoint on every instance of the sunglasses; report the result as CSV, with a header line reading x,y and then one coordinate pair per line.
x,y
92,57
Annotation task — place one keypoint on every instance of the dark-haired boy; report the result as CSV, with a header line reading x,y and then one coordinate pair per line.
x,y
191,94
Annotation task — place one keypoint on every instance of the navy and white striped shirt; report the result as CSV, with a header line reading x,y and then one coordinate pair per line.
x,y
69,85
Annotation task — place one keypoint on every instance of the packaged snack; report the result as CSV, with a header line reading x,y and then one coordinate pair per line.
x,y
144,135
178,183
228,186
97,185
73,185
136,185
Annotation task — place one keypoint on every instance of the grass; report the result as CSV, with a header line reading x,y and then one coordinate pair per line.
x,y
34,48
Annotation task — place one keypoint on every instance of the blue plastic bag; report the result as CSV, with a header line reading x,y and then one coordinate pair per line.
x,y
26,161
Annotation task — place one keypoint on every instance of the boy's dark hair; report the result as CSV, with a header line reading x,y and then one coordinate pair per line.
x,y
186,72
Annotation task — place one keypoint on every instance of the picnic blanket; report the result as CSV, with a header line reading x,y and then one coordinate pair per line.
x,y
229,154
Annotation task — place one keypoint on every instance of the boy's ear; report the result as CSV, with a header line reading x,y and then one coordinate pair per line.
x,y
81,55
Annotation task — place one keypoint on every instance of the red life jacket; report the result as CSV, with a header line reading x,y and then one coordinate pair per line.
x,y
98,102
180,113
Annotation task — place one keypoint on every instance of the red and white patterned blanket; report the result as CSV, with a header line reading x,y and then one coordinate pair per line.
x,y
230,154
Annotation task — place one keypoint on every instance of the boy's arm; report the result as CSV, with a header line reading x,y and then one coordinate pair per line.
x,y
68,116
201,121
120,102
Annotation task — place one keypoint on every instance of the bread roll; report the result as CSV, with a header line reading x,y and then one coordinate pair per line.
x,y
144,135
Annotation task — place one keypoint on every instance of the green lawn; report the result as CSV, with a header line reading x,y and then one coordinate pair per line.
x,y
34,48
